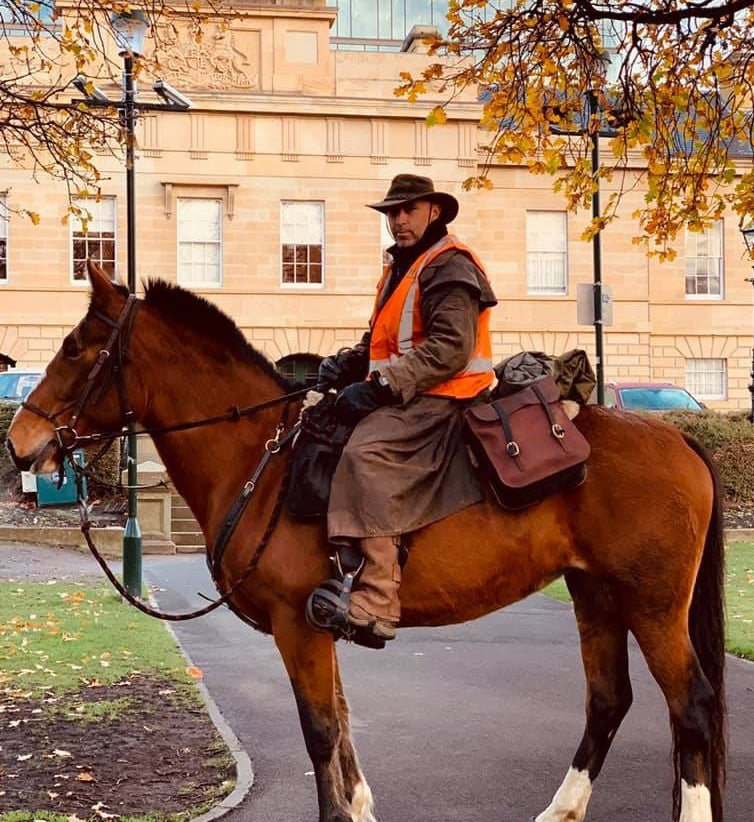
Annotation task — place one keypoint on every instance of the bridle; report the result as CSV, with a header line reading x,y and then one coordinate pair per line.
x,y
107,365
110,362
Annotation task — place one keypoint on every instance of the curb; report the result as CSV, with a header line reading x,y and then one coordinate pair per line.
x,y
244,770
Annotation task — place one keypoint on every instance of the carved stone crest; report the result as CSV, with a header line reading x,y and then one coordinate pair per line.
x,y
216,62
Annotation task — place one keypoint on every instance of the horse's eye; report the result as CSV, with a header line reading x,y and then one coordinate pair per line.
x,y
70,347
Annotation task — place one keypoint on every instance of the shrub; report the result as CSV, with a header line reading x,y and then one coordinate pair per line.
x,y
729,438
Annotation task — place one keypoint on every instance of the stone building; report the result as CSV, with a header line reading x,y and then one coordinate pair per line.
x,y
255,200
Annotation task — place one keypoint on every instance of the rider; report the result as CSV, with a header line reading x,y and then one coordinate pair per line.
x,y
426,356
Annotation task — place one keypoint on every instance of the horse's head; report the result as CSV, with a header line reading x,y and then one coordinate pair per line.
x,y
82,390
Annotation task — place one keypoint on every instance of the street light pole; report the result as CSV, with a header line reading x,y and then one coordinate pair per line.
x,y
130,28
594,115
132,546
748,235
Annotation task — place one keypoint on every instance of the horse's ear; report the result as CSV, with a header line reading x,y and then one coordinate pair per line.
x,y
101,283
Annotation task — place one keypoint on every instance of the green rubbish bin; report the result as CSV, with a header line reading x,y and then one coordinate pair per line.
x,y
48,492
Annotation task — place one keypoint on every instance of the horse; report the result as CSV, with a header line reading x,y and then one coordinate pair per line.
x,y
640,542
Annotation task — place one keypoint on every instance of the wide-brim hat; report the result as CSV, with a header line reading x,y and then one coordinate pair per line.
x,y
406,188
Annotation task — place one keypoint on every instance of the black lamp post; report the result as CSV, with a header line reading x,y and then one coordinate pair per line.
x,y
594,114
748,234
130,29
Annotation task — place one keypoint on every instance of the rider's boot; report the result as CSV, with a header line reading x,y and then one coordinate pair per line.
x,y
375,606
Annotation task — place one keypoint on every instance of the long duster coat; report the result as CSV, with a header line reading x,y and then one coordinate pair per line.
x,y
406,465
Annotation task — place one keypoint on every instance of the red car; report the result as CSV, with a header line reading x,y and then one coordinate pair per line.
x,y
649,396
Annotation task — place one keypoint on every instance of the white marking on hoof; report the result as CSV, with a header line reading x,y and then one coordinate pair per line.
x,y
362,804
570,800
696,805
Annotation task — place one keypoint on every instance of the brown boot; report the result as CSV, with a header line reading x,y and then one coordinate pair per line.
x,y
374,602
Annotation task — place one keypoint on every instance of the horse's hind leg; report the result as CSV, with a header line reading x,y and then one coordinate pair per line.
x,y
691,701
310,661
604,650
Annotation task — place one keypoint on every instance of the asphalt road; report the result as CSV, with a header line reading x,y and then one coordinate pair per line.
x,y
477,722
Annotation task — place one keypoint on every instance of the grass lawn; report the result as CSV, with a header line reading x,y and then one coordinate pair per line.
x,y
59,637
79,671
739,598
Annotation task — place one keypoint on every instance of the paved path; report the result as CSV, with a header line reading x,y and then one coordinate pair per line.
x,y
476,722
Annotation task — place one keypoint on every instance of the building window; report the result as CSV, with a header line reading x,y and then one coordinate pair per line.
x,y
93,236
707,378
3,239
21,16
300,369
546,257
200,241
302,231
382,25
704,262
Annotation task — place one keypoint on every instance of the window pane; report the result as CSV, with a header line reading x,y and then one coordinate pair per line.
x,y
707,378
546,252
301,236
199,241
93,236
704,261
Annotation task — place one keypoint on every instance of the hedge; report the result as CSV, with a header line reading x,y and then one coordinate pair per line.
x,y
107,469
729,438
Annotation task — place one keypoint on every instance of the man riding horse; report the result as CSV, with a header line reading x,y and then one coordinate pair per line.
x,y
427,355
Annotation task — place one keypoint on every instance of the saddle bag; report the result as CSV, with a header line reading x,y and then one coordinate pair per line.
x,y
316,453
525,445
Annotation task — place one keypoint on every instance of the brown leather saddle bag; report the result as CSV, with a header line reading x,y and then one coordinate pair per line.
x,y
525,445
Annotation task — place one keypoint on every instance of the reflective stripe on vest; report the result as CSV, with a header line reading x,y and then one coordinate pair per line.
x,y
397,327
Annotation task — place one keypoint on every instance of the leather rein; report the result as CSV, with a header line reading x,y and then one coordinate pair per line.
x,y
110,363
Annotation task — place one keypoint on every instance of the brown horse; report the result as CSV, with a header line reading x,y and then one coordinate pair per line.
x,y
640,543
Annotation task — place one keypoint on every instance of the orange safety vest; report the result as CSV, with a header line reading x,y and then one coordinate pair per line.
x,y
397,327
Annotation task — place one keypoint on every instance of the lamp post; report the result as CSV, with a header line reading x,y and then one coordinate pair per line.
x,y
748,235
130,29
594,115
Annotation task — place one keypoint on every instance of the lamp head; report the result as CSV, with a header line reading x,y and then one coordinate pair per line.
x,y
130,29
172,97
748,234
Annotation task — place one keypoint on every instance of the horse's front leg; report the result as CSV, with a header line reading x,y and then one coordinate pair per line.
x,y
310,661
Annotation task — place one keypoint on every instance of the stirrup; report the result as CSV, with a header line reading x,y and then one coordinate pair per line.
x,y
328,604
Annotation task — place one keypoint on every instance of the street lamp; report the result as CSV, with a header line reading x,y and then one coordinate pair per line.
x,y
130,29
748,234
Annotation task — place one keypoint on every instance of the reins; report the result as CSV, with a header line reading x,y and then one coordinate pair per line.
x,y
69,439
271,448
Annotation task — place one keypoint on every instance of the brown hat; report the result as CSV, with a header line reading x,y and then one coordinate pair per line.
x,y
406,188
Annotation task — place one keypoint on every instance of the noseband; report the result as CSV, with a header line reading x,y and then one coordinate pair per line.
x,y
110,361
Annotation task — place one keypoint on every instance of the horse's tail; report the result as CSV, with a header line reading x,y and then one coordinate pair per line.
x,y
707,631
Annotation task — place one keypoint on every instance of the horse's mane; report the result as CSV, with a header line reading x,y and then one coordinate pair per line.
x,y
185,308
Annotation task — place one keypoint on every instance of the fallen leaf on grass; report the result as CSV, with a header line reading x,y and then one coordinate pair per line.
x,y
195,673
85,776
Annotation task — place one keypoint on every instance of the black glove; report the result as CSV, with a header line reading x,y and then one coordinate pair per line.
x,y
343,368
355,401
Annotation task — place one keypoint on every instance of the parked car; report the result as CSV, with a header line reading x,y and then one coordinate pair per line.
x,y
17,384
649,396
